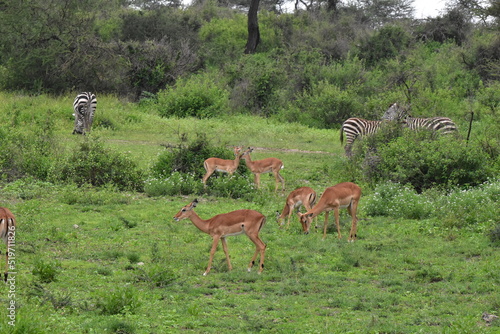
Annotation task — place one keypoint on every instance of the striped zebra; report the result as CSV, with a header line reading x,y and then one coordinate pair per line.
x,y
84,108
442,125
357,127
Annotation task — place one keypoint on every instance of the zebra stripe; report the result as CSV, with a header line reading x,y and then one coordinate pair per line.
x,y
84,108
442,125
357,127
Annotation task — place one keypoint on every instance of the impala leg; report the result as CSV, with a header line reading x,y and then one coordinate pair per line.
x,y
279,179
212,252
205,178
224,246
326,224
257,180
354,228
337,221
6,263
260,247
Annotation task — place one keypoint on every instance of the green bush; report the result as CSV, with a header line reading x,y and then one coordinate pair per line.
x,y
92,163
196,96
426,160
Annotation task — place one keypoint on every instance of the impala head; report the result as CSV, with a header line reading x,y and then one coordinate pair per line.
x,y
185,212
279,220
237,151
305,220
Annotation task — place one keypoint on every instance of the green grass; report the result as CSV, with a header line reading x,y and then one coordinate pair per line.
x,y
97,261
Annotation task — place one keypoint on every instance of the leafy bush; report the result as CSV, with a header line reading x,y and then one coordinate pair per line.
x,y
92,163
188,157
176,184
424,160
196,96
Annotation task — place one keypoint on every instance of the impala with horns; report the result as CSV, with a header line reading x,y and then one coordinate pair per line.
x,y
223,225
305,196
342,195
268,165
222,165
8,232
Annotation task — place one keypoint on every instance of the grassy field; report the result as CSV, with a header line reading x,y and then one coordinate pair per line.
x,y
100,261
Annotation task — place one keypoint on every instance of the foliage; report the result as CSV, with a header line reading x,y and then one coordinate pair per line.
x,y
118,301
197,96
46,270
411,159
92,163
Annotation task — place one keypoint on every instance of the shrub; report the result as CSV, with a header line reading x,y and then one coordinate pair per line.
x,y
92,163
196,96
425,160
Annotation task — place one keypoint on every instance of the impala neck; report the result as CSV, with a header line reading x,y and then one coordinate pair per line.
x,y
201,224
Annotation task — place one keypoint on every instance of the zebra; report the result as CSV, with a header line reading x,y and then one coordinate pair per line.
x,y
438,124
84,108
356,127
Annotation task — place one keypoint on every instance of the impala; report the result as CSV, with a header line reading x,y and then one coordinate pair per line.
x,y
268,165
221,165
224,225
342,195
7,231
302,196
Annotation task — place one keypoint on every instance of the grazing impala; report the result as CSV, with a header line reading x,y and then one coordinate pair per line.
x,y
221,165
342,195
224,225
268,165
7,231
302,196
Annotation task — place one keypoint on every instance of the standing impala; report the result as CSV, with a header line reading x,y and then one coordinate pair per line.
x,y
7,231
342,195
268,165
302,196
224,225
221,165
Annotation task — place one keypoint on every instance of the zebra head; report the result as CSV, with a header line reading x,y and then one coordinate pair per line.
x,y
395,113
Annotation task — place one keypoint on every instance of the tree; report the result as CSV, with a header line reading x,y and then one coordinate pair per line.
x,y
253,27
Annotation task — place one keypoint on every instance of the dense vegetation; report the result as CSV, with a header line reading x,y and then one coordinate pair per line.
x,y
96,248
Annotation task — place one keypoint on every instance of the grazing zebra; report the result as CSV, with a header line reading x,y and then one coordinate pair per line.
x,y
356,127
84,108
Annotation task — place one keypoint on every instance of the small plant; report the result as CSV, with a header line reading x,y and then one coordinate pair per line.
x,y
46,270
118,301
133,257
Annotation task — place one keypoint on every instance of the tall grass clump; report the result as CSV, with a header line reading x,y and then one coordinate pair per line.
x,y
118,301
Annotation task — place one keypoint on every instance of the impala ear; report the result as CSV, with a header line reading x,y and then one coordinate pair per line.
x,y
194,203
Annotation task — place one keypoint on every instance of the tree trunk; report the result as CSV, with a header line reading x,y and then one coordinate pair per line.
x,y
253,27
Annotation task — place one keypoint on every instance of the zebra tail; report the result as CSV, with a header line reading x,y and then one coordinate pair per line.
x,y
342,136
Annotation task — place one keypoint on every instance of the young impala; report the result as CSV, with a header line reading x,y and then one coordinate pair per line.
x,y
7,231
268,165
219,227
302,196
221,165
342,195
